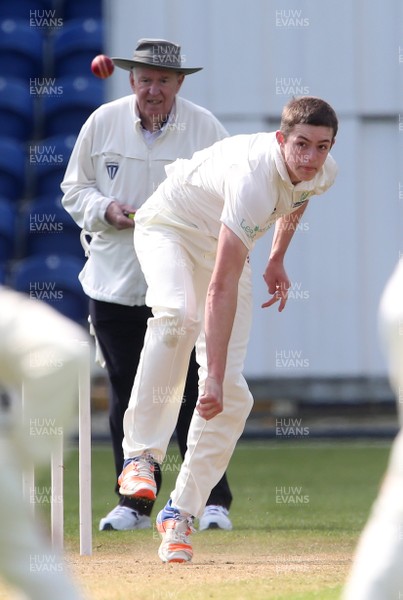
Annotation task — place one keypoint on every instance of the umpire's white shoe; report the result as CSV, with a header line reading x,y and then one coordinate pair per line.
x,y
215,517
124,518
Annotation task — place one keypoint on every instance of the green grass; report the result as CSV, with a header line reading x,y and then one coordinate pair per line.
x,y
284,486
298,509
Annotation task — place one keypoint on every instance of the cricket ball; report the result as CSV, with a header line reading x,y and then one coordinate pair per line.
x,y
102,66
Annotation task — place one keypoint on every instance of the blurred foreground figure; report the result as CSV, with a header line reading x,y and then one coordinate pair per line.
x,y
40,351
377,572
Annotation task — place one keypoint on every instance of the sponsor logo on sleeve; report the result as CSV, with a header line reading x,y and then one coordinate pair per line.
x,y
253,231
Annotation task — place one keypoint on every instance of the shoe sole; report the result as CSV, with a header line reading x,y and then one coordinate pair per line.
x,y
215,525
145,487
175,559
142,493
109,527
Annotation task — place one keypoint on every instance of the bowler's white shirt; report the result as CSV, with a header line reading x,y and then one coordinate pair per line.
x,y
241,181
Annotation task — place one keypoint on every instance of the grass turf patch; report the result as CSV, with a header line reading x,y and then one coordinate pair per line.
x,y
297,512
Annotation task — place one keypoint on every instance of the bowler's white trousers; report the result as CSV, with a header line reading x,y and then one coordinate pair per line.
x,y
177,261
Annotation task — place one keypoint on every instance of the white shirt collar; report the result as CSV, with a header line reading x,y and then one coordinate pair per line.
x,y
151,136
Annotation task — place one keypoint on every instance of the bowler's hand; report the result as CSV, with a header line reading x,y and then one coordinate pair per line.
x,y
116,215
278,284
210,403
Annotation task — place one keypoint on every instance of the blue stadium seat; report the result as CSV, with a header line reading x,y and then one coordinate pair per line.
x,y
21,50
8,220
47,228
35,13
77,9
48,160
75,45
12,169
54,280
16,109
65,113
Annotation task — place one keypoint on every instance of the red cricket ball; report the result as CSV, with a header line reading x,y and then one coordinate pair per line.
x,y
102,66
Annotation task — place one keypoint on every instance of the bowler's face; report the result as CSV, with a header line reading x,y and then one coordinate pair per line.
x,y
155,90
305,150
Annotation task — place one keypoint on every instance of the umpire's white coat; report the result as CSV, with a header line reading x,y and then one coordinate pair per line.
x,y
111,153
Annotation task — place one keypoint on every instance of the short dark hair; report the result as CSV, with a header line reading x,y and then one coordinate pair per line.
x,y
308,110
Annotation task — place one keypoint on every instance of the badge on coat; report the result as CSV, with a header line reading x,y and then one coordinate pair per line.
x,y
112,169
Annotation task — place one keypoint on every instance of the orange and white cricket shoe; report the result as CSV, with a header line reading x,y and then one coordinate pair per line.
x,y
174,529
137,478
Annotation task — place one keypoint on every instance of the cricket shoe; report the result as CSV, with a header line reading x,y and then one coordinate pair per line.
x,y
124,518
215,517
174,529
137,478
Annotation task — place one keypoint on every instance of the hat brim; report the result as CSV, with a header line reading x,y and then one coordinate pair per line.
x,y
127,65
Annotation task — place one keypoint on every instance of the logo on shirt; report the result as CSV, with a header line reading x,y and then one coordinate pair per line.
x,y
303,198
251,232
112,169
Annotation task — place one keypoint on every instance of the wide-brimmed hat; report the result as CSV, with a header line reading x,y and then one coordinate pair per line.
x,y
160,54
